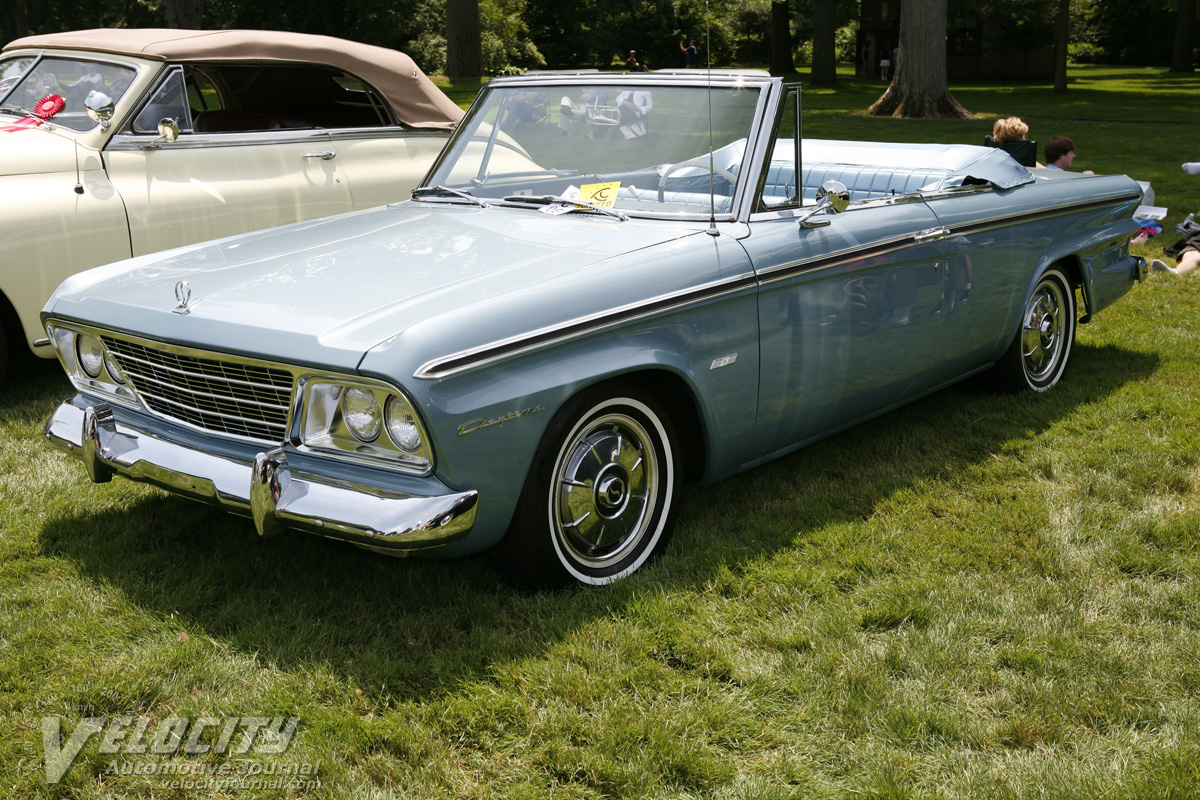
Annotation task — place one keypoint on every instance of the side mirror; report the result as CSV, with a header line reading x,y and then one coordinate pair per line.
x,y
99,107
833,197
168,130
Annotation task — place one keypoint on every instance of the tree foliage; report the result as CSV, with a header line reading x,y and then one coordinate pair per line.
x,y
523,34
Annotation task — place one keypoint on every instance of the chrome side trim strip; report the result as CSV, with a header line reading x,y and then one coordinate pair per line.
x,y
494,351
784,271
191,141
1033,216
881,248
387,132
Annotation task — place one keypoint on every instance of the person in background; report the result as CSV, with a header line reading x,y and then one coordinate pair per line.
x,y
633,107
1060,153
1186,252
1187,260
885,63
1009,130
634,64
689,53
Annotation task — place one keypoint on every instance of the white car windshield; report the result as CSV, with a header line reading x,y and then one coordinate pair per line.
x,y
25,82
633,147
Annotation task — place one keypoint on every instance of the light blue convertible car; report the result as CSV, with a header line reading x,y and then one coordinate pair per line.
x,y
607,284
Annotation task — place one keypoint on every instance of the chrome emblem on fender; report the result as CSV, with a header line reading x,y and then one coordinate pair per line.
x,y
183,294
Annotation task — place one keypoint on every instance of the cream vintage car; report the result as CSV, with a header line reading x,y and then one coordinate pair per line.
x,y
117,143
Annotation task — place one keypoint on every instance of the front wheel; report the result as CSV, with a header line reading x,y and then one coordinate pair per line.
x,y
1038,354
600,496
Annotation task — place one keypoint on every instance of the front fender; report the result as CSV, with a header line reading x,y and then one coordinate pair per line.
x,y
485,424
48,232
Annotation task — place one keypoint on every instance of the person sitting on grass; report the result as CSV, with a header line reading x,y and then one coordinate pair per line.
x,y
1186,253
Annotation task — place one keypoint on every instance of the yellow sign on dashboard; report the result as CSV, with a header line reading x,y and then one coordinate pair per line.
x,y
599,194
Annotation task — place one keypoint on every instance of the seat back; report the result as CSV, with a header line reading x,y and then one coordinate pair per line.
x,y
1024,151
864,183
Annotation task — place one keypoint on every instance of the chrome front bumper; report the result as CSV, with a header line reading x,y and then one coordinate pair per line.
x,y
267,489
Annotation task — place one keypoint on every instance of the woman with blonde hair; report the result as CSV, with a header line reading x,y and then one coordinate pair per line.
x,y
1009,134
1011,129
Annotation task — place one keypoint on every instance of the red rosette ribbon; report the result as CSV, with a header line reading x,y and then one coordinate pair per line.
x,y
49,105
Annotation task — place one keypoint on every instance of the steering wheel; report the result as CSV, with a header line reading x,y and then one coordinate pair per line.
x,y
700,162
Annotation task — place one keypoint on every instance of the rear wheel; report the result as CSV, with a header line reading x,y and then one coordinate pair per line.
x,y
600,496
1038,354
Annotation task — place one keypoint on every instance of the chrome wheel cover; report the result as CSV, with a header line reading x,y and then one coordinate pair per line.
x,y
1043,333
604,492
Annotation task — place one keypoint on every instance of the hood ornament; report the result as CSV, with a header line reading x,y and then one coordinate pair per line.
x,y
183,295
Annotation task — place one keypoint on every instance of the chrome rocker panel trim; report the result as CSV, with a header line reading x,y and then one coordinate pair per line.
x,y
267,489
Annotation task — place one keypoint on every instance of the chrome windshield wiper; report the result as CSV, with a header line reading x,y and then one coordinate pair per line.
x,y
423,190
16,110
575,205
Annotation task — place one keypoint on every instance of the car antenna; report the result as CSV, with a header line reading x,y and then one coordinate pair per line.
x,y
712,199
78,182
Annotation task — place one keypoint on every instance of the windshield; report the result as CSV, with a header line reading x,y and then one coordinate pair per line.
x,y
635,148
23,83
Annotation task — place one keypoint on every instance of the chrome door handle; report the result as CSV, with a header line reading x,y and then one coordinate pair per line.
x,y
931,234
324,155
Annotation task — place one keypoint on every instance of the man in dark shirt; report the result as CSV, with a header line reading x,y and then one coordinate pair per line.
x,y
689,53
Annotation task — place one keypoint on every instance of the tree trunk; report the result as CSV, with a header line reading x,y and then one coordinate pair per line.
x,y
781,38
919,87
1185,31
185,14
464,39
824,63
20,20
1060,46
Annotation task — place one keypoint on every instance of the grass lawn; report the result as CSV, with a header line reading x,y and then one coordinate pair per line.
x,y
972,597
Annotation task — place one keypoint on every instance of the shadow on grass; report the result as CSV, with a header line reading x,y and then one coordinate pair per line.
x,y
416,629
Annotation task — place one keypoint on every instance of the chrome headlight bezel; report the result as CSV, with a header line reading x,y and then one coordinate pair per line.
x,y
106,381
325,429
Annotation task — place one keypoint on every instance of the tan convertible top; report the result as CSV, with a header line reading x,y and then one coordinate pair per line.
x,y
416,101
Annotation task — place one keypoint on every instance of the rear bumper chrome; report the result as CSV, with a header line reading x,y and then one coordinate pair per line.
x,y
267,488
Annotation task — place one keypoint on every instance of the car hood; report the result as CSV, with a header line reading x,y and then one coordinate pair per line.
x,y
32,151
325,292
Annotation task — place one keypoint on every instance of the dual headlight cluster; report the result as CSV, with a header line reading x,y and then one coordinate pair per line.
x,y
365,419
90,365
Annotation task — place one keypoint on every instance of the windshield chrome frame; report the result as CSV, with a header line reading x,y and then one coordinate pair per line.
x,y
76,55
770,90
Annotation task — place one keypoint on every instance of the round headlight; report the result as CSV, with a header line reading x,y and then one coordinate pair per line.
x,y
91,354
111,366
402,425
363,416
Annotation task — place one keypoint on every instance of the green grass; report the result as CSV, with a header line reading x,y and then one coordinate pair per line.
x,y
975,596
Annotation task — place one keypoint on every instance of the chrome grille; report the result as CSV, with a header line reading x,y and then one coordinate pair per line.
x,y
223,396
